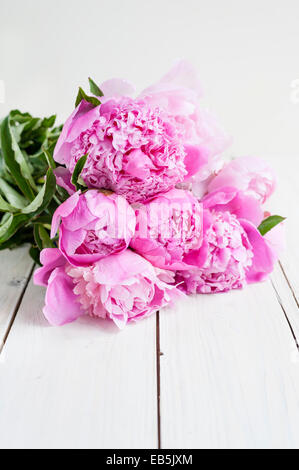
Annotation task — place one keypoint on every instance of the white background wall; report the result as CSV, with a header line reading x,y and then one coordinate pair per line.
x,y
247,53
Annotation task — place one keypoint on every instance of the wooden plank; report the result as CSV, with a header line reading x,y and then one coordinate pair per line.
x,y
229,372
83,385
16,266
286,299
285,201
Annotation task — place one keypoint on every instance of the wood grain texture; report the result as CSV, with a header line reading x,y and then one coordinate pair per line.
x,y
286,300
285,201
229,369
83,385
229,373
16,266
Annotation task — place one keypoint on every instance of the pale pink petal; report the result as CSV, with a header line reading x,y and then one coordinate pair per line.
x,y
64,210
61,304
249,174
236,202
196,158
117,268
50,258
117,87
264,257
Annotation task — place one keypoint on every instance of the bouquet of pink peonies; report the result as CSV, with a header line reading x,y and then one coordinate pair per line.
x,y
145,210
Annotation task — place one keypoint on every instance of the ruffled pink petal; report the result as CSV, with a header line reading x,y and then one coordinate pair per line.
x,y
139,165
236,202
117,268
70,242
120,215
249,174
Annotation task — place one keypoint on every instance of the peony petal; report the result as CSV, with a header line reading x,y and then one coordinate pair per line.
x,y
50,258
64,210
63,179
249,174
117,268
195,159
181,76
138,165
276,239
264,257
79,217
236,202
61,304
70,241
117,87
79,120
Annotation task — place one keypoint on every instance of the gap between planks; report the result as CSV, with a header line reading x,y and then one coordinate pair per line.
x,y
287,300
158,349
289,283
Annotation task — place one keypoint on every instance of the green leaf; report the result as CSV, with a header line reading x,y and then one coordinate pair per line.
x,y
34,252
49,122
19,238
20,117
21,160
37,237
62,194
5,207
43,219
11,225
49,158
269,223
8,146
12,196
94,89
77,172
45,238
83,96
44,197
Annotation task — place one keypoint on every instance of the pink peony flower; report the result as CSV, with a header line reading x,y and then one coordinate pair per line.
x,y
145,146
224,258
92,226
233,251
123,287
235,201
178,93
132,149
251,175
168,228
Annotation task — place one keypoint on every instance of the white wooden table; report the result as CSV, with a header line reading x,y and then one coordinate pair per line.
x,y
217,371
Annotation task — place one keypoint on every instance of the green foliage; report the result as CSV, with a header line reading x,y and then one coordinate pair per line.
x,y
77,172
83,96
28,192
269,223
94,89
